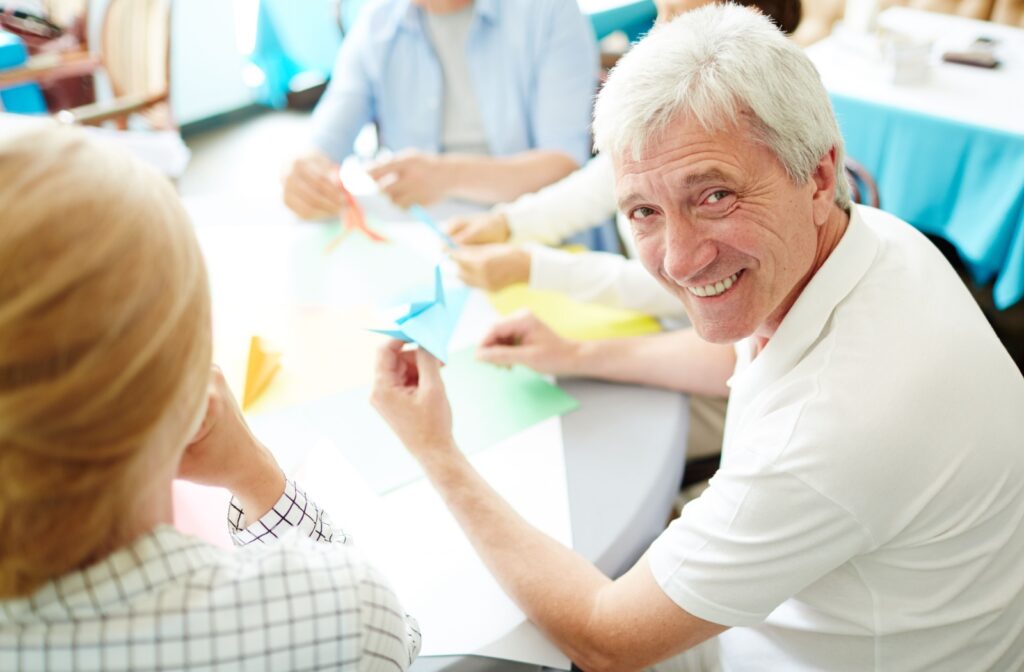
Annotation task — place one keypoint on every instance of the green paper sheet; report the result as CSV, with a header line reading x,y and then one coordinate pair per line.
x,y
489,405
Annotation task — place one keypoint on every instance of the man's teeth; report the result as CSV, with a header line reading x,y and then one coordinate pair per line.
x,y
714,289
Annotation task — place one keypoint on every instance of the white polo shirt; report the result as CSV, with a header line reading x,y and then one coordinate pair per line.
x,y
869,511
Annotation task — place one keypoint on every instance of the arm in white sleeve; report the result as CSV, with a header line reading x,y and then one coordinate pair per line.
x,y
601,277
573,204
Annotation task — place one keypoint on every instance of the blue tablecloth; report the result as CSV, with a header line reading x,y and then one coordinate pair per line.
x,y
24,98
633,18
294,37
963,183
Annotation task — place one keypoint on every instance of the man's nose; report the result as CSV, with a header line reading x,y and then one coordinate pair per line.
x,y
687,250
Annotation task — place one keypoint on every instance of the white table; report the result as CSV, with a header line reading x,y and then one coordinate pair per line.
x,y
620,489
854,65
947,154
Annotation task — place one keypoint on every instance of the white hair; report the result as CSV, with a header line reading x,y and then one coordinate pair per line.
x,y
711,64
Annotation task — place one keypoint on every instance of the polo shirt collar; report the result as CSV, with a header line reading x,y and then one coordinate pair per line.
x,y
805,322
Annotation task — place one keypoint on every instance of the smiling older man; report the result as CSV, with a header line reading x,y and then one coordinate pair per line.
x,y
868,511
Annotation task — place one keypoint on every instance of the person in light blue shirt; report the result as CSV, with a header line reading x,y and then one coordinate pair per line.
x,y
481,100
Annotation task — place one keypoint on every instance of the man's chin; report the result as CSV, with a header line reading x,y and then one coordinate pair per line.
x,y
718,332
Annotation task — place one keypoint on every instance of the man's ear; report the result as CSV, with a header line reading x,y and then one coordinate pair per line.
x,y
824,179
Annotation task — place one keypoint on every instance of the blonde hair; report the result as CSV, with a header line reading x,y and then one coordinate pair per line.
x,y
104,337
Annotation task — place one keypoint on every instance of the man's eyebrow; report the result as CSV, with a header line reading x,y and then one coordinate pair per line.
x,y
689,182
713,175
628,199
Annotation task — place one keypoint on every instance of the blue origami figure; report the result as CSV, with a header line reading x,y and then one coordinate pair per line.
x,y
429,324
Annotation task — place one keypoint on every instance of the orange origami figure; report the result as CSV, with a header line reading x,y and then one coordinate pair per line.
x,y
263,365
353,219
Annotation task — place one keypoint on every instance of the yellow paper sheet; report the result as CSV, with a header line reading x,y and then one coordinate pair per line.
x,y
572,319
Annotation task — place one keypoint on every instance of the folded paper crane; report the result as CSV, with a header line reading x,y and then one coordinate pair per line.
x,y
353,218
429,324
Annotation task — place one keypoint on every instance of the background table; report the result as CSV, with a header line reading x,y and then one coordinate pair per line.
x,y
624,447
948,155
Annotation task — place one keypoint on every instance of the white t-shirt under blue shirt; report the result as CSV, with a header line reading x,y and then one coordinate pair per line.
x,y
869,511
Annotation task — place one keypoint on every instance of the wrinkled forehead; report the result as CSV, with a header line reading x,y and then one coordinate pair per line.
x,y
641,145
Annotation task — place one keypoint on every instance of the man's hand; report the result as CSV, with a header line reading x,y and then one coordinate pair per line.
x,y
492,267
311,187
523,339
224,453
487,227
409,395
412,177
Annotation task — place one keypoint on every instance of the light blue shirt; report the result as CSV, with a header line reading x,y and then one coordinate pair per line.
x,y
533,65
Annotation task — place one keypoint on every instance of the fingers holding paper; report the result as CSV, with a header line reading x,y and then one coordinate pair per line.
x,y
310,187
492,267
524,339
479,229
411,177
409,394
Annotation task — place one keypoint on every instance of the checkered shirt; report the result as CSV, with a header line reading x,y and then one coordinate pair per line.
x,y
296,596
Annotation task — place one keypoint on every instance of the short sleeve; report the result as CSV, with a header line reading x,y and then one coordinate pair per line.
x,y
348,103
566,82
756,537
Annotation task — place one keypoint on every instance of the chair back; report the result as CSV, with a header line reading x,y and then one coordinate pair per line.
x,y
136,46
862,186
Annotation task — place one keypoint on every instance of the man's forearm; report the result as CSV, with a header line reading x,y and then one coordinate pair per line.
x,y
600,624
489,179
678,360
552,584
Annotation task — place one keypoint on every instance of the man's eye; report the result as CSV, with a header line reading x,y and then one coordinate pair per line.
x,y
716,196
641,213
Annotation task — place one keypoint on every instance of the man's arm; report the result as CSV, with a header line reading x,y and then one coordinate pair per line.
x,y
603,278
418,177
566,66
678,360
490,179
575,203
348,104
601,624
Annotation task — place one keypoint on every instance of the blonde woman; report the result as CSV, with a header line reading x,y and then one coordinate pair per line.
x,y
106,395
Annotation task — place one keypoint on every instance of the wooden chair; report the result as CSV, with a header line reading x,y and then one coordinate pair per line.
x,y
861,184
135,54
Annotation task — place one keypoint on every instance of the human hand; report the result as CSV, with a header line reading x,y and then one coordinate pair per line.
x,y
311,187
486,227
492,267
524,339
224,453
410,396
412,177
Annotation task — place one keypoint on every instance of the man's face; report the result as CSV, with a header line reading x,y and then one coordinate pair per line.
x,y
717,220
